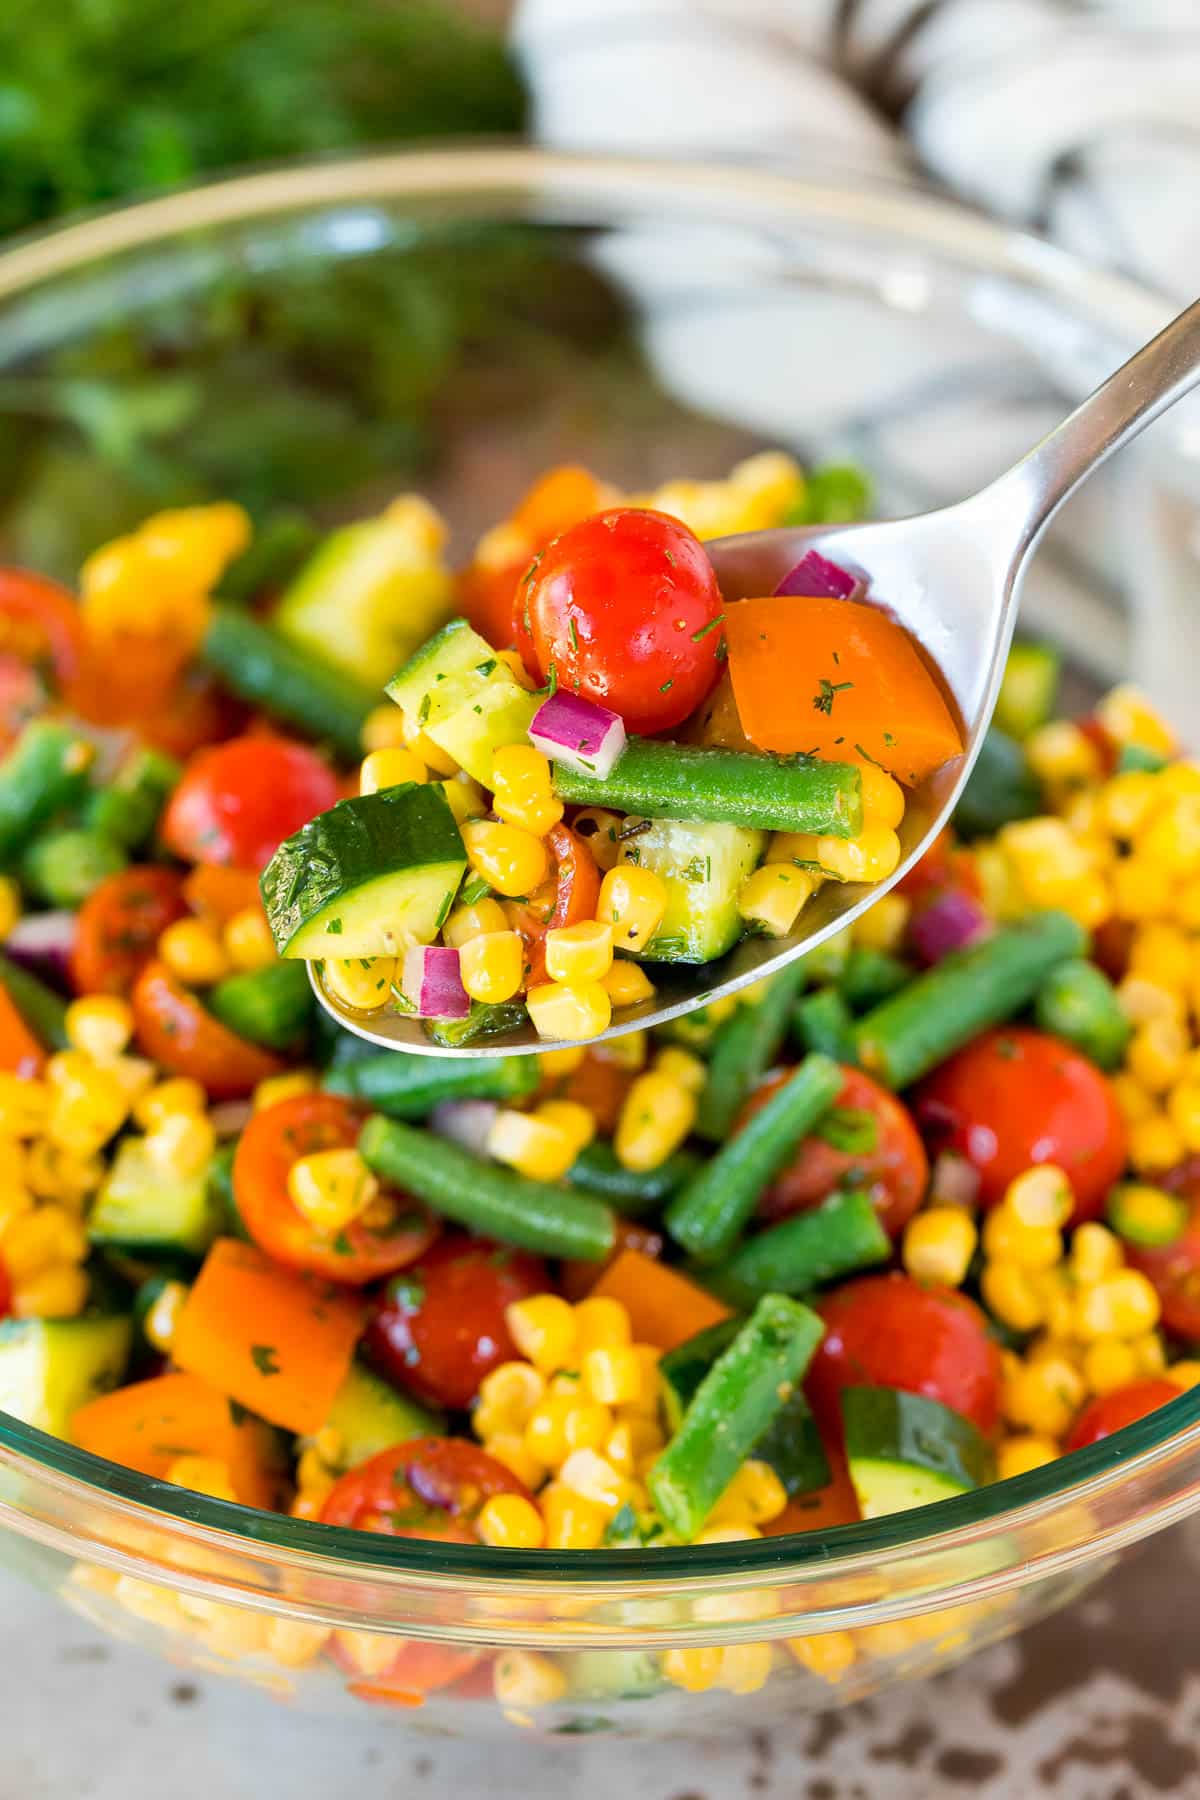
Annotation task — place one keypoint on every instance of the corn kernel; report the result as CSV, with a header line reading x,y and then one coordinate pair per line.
x,y
507,1397
1010,1292
193,952
510,860
363,983
1055,1289
882,797
1108,1364
183,1144
774,896
1156,1053
10,905
203,1475
1041,1196
24,1106
331,1188
939,1244
534,1146
1140,889
277,1088
295,1642
601,832
578,953
1096,1252
633,901
871,856
89,1105
1155,1145
1123,1305
465,799
1162,953
1128,718
627,983
525,1678
1149,1354
680,1066
179,1095
543,1329
656,1117
390,768
556,1065
1185,1374
573,1522
383,729
829,1655
53,1172
575,1013
1183,1110
35,1241
510,1522
630,1051
755,1496
100,1025
1133,1100
247,940
59,1291
484,918
1023,1453
1007,1239
1171,838
509,1449
745,1668
1044,1396
162,1318
612,1375
645,1433
695,1671
1061,755
522,789
1126,802
1003,892
492,965
586,1472
601,1324
885,925
573,1120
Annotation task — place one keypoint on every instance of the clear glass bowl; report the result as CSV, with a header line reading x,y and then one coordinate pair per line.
x,y
288,334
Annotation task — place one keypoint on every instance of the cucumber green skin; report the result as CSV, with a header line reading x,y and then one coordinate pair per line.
x,y
272,1006
221,1196
279,545
64,867
369,851
906,1450
286,681
632,1192
44,773
1028,689
407,1087
127,810
1136,757
614,1674
709,1214
834,494
369,1415
804,1252
457,690
49,1368
823,1024
139,1208
745,1047
968,991
870,977
703,866
44,1011
483,1021
1078,1002
731,787
490,1200
739,1398
1000,788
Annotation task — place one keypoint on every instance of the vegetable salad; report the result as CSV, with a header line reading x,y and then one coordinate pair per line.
x,y
919,1214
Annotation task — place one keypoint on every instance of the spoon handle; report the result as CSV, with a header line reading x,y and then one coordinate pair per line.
x,y
1026,498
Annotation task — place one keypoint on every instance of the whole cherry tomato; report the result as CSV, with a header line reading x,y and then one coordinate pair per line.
x,y
889,1331
1016,1097
895,1170
1110,1412
274,1139
440,1326
487,591
178,1033
238,801
575,895
1174,1269
626,609
119,925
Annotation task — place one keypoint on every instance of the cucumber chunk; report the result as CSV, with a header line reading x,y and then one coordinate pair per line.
x,y
369,1415
703,866
461,695
906,1450
370,877
49,1368
143,1207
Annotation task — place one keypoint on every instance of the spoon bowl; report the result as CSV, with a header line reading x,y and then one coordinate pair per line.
x,y
953,579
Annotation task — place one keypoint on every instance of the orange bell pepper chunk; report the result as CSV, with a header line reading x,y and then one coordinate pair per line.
x,y
150,1424
664,1307
20,1051
838,678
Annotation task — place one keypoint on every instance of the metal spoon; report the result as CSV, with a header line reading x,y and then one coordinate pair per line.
x,y
953,577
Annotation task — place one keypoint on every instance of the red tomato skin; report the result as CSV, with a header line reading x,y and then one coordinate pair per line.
x,y
119,925
889,1331
237,801
174,1030
576,895
895,1173
275,1138
440,1326
626,607
1015,1097
6,1294
1111,1412
445,1479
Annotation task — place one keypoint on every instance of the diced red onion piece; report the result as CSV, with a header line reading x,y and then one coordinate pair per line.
x,y
954,1181
432,982
467,1123
578,733
820,579
950,921
42,943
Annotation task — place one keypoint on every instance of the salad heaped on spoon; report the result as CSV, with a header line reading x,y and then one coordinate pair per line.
x,y
625,771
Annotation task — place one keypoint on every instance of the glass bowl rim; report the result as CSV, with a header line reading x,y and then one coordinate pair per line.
x,y
612,188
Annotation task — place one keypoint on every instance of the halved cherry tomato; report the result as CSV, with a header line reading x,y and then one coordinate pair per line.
x,y
1015,1097
945,864
576,894
889,1331
626,609
23,694
175,1030
219,893
1110,1412
238,801
40,622
196,711
1174,1269
273,1140
119,925
440,1326
895,1172
417,1668
429,1487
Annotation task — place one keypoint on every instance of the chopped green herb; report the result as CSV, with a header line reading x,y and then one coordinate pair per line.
x,y
705,629
573,634
334,928
823,701
265,1358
